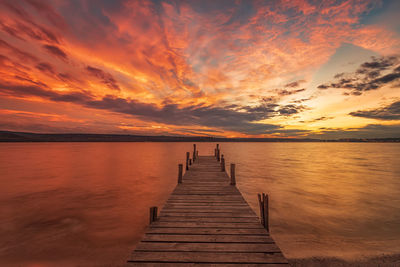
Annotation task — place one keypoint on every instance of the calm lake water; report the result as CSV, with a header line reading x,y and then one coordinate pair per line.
x,y
86,204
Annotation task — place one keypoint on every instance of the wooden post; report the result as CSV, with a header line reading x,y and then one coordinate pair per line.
x,y
218,152
180,170
264,212
190,161
217,146
233,176
222,163
260,204
194,152
197,154
153,214
215,152
187,160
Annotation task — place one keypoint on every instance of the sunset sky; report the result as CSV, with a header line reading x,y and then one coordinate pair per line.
x,y
320,69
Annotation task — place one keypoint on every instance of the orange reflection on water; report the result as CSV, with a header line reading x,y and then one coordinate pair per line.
x,y
80,203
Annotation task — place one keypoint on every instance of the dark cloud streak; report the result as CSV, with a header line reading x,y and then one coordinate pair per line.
x,y
368,76
390,112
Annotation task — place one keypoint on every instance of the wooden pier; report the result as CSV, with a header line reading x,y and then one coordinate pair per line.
x,y
207,222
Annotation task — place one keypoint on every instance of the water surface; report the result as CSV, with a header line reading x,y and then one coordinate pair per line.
x,y
86,204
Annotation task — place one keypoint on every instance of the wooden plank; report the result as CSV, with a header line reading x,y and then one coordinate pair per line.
x,y
253,225
214,206
207,214
168,264
207,209
208,247
208,238
207,231
209,219
207,257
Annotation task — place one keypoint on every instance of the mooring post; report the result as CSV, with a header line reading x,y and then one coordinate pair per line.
x,y
218,153
187,160
190,161
264,212
194,152
180,170
222,163
233,177
153,214
261,205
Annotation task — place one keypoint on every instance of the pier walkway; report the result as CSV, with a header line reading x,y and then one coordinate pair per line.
x,y
207,222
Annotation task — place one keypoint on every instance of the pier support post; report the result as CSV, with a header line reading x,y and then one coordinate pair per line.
x,y
153,214
222,163
233,175
190,161
187,160
218,154
264,212
194,152
180,170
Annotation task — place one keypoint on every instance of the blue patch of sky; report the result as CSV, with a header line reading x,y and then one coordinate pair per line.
x,y
387,14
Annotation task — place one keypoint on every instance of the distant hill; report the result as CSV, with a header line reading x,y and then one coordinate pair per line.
x,y
8,136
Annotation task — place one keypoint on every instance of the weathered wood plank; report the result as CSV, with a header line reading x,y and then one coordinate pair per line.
x,y
253,225
207,231
207,257
208,247
208,238
168,264
209,219
207,214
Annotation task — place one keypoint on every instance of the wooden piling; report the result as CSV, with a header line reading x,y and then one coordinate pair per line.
x,y
153,214
190,161
233,175
264,212
222,163
187,160
180,170
218,154
194,152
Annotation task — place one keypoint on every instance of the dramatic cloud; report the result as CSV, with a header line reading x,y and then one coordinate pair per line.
x,y
390,112
368,76
232,68
106,78
368,131
56,51
225,118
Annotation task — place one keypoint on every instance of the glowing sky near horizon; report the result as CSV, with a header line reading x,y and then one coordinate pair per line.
x,y
327,69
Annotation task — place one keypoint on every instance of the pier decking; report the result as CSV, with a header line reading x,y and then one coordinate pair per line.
x,y
206,221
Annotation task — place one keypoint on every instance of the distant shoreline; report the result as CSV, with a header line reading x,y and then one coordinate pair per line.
x,y
9,136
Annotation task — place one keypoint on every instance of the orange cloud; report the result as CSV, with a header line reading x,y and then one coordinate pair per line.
x,y
149,60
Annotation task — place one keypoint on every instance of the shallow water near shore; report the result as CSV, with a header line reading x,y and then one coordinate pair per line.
x,y
86,204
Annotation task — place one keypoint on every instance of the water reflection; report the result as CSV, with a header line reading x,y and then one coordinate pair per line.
x,y
87,203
